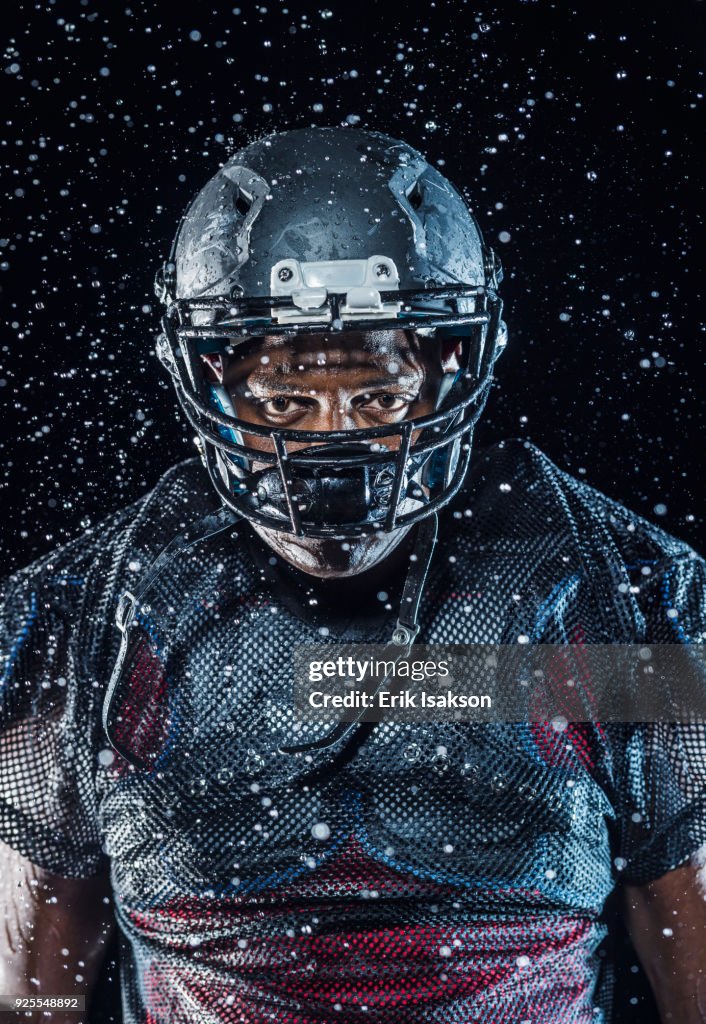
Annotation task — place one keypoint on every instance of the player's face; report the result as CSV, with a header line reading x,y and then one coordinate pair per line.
x,y
328,382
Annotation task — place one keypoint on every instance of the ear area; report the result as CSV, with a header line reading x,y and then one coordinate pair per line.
x,y
501,343
213,367
450,354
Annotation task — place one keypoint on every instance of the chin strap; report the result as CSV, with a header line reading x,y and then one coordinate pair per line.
x,y
400,644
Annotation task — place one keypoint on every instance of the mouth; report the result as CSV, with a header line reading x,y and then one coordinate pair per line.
x,y
333,556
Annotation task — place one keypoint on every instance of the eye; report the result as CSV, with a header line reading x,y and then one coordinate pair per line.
x,y
387,402
281,406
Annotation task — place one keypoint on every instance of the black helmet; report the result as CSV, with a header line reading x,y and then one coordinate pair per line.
x,y
330,229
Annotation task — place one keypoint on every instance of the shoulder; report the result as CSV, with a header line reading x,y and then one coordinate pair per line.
x,y
514,482
178,496
74,587
522,510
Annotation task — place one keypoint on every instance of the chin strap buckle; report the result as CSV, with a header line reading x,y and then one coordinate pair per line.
x,y
493,269
404,634
125,612
165,283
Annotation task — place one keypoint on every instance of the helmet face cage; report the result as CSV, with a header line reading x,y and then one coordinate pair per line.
x,y
342,483
399,485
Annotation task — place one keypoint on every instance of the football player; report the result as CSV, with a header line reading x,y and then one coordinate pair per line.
x,y
331,324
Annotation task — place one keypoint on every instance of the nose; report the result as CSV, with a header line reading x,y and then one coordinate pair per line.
x,y
329,413
332,412
338,415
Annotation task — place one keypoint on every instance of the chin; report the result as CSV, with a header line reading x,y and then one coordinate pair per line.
x,y
328,558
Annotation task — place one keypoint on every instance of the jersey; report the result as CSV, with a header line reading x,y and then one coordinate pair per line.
x,y
438,872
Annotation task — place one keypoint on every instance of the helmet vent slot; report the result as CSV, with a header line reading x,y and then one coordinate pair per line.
x,y
416,195
242,203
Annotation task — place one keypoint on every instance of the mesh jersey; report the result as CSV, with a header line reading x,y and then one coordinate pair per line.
x,y
443,872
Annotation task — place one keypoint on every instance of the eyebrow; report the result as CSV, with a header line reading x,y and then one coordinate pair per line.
x,y
290,388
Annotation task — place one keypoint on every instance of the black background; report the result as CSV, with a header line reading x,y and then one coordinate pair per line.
x,y
574,131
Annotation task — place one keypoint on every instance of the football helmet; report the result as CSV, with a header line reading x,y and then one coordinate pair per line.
x,y
330,230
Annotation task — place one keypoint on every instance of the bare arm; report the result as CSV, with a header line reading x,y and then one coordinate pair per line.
x,y
667,923
53,932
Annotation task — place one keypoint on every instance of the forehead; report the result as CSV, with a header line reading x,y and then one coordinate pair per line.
x,y
349,349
